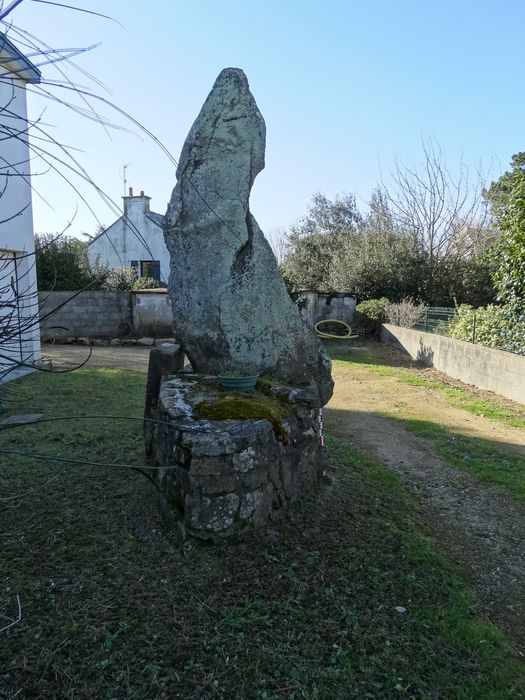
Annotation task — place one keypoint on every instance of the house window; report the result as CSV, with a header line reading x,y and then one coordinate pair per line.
x,y
150,268
135,267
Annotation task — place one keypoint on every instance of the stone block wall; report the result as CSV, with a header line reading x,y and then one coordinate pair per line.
x,y
148,313
92,314
105,314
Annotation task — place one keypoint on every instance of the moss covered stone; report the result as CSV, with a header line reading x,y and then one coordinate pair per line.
x,y
229,460
241,407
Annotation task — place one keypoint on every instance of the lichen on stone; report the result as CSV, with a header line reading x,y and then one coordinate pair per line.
x,y
222,267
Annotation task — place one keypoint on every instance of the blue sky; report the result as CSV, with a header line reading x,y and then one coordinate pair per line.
x,y
345,89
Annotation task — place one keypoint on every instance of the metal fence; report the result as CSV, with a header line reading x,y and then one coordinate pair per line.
x,y
435,319
480,326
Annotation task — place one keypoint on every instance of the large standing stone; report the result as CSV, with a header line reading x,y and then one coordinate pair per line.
x,y
230,305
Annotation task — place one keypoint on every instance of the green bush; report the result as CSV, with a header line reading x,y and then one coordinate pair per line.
x,y
148,283
371,314
121,279
493,326
124,279
62,264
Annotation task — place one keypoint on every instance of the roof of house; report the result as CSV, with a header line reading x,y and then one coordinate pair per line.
x,y
14,61
157,219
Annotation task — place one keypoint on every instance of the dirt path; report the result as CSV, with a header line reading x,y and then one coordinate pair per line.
x,y
481,526
120,357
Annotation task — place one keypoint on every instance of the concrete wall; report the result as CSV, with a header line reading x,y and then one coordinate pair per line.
x,y
93,314
319,307
148,313
486,368
105,314
151,313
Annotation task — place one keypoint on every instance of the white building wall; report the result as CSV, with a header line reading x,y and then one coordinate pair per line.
x,y
15,233
17,263
132,237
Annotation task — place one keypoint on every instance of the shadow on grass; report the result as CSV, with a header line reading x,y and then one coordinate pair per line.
x,y
494,461
369,352
384,361
341,599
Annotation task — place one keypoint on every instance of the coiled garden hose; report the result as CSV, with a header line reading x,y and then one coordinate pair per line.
x,y
323,334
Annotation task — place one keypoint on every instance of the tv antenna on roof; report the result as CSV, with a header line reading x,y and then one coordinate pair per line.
x,y
124,168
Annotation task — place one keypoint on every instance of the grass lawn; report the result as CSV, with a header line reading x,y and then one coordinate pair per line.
x,y
375,359
500,466
485,459
342,599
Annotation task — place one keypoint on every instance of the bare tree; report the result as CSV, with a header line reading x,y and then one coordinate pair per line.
x,y
446,214
277,239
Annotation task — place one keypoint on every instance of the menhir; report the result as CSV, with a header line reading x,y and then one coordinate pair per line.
x,y
231,308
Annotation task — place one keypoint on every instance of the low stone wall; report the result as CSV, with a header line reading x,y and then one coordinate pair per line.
x,y
148,313
486,368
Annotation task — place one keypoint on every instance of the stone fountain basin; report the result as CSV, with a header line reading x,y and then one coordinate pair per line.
x,y
216,477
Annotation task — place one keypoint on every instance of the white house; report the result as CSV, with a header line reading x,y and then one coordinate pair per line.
x,y
135,240
19,330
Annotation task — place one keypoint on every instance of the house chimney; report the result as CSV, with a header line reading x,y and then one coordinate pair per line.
x,y
136,203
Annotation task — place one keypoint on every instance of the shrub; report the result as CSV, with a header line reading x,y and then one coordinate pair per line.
x,y
405,313
147,283
124,279
62,264
121,279
371,314
493,326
